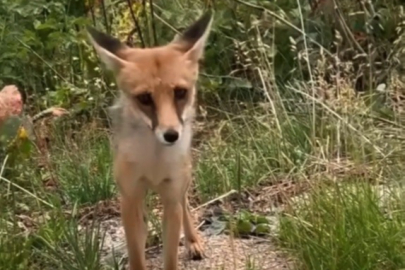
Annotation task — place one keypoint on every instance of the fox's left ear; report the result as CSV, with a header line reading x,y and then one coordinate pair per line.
x,y
108,48
192,40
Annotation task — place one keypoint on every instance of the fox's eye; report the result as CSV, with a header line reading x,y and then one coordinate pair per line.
x,y
180,93
145,99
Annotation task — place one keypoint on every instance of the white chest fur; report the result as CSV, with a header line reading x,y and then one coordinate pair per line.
x,y
153,160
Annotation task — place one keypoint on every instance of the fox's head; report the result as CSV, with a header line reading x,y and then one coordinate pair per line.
x,y
160,81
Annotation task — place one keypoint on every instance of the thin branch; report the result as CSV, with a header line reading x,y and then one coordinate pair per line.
x,y
130,40
44,61
214,200
152,14
93,16
145,14
345,28
137,26
26,191
105,16
167,24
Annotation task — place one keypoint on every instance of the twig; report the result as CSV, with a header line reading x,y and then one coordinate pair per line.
x,y
107,26
165,22
3,166
345,28
214,200
152,14
26,191
46,63
43,60
93,16
145,14
137,26
130,40
47,112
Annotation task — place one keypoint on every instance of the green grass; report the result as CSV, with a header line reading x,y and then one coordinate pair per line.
x,y
344,226
85,171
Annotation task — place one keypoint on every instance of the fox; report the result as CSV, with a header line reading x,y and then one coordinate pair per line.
x,y
152,132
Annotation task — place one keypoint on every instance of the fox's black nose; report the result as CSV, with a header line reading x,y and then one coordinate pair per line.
x,y
171,136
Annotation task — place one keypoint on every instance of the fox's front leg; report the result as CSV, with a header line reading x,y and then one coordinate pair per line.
x,y
170,192
135,232
132,213
172,219
192,239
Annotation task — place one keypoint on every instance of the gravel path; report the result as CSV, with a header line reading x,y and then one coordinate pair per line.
x,y
222,252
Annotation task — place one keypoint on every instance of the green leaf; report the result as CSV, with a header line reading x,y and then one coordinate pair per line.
x,y
243,227
261,229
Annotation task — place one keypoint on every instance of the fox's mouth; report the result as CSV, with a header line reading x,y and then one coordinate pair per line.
x,y
169,144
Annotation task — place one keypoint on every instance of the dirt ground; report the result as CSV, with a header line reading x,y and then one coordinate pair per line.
x,y
222,250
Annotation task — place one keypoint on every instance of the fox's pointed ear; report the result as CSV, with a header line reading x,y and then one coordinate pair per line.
x,y
108,48
192,40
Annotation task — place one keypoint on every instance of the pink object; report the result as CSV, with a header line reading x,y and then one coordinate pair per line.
x,y
10,102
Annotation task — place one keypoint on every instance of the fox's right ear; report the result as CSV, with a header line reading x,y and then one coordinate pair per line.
x,y
108,48
192,40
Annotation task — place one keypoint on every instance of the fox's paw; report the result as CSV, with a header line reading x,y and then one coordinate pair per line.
x,y
195,250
